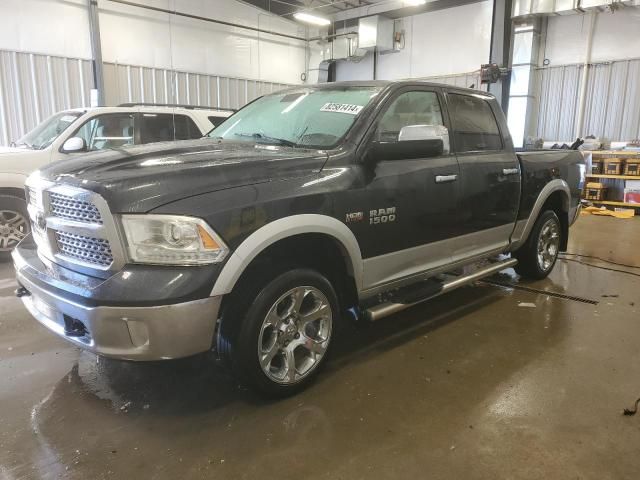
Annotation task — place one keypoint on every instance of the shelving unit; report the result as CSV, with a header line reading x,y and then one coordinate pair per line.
x,y
615,204
604,154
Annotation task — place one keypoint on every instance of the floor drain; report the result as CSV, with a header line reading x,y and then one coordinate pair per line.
x,y
543,292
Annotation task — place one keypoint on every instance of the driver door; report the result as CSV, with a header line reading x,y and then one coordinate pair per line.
x,y
419,185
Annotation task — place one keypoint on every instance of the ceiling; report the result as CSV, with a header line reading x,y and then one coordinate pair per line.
x,y
287,8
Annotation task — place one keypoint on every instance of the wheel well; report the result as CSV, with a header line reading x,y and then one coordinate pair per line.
x,y
557,202
12,192
317,251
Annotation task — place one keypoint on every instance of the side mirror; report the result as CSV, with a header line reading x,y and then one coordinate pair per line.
x,y
414,141
74,144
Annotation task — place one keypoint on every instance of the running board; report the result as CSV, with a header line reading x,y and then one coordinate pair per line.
x,y
383,310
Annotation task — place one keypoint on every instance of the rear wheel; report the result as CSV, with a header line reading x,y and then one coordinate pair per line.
x,y
538,256
286,332
14,224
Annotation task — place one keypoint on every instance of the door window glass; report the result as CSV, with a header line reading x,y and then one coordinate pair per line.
x,y
474,124
186,129
215,121
156,127
111,130
409,109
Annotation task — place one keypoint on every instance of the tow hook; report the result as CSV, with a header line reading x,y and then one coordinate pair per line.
x,y
22,292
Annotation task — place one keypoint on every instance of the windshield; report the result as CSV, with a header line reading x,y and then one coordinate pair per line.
x,y
44,134
305,117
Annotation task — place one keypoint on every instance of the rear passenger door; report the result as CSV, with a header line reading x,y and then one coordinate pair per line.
x,y
489,193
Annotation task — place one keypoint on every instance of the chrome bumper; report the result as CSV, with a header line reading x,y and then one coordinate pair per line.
x,y
129,333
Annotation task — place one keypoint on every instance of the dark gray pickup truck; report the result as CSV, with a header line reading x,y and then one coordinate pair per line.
x,y
366,197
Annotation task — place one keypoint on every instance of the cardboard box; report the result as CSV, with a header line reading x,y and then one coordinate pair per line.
x,y
613,166
595,191
632,166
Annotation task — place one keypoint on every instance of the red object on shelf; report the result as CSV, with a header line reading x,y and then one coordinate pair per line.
x,y
631,196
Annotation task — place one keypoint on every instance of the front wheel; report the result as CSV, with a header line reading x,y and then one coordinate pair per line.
x,y
286,332
538,256
14,224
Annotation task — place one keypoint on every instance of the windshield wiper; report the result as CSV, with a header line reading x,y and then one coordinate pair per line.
x,y
267,139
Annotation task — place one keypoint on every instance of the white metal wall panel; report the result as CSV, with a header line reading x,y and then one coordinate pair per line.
x,y
612,109
127,83
33,87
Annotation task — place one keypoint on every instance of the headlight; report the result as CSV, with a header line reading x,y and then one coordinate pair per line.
x,y
172,240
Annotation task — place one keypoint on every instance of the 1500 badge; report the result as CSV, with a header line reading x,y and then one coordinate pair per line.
x,y
382,215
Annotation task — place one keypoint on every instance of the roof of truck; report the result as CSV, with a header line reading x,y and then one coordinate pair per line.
x,y
389,83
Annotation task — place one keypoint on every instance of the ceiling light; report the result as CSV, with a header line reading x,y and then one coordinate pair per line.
x,y
414,3
310,18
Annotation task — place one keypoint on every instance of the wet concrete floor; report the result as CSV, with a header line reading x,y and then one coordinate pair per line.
x,y
471,385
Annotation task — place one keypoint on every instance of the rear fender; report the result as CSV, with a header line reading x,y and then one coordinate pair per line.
x,y
523,227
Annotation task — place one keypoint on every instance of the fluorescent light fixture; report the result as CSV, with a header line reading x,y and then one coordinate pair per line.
x,y
523,28
310,18
414,3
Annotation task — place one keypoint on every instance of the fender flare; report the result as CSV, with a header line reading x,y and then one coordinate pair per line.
x,y
12,180
283,228
523,227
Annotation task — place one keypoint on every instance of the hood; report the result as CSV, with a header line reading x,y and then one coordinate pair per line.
x,y
139,179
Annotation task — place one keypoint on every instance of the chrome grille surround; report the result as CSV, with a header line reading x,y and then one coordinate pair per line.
x,y
86,249
69,208
88,243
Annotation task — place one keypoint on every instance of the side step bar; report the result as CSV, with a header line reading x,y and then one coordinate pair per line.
x,y
383,310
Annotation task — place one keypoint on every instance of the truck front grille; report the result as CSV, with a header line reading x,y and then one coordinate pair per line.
x,y
94,251
70,208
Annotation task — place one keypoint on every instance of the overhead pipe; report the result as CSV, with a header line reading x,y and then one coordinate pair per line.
x,y
208,19
583,86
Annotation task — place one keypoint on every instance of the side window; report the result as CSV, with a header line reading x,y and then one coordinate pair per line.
x,y
216,120
410,109
156,127
474,124
186,129
112,130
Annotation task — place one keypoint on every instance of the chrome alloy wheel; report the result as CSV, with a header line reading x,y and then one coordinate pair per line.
x,y
13,228
295,335
548,244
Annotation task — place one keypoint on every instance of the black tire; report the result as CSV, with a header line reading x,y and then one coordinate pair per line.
x,y
242,346
10,208
530,264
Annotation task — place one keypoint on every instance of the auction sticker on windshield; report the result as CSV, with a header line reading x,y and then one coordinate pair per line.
x,y
341,108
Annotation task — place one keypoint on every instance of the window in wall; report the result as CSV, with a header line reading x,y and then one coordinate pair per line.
x,y
411,108
474,124
111,130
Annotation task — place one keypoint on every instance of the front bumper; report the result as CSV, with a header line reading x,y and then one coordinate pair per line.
x,y
126,332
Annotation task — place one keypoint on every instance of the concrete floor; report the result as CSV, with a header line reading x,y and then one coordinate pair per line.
x,y
470,385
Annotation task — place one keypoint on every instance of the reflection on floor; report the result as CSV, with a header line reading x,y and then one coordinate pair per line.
x,y
475,384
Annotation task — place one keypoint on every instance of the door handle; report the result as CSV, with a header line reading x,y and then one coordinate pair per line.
x,y
510,171
446,178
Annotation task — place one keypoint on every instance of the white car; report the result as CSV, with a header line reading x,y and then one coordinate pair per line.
x,y
72,132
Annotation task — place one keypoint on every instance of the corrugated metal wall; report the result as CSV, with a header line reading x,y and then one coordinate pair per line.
x,y
33,86
128,83
612,109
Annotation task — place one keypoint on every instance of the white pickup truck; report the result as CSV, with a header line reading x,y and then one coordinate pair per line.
x,y
85,130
